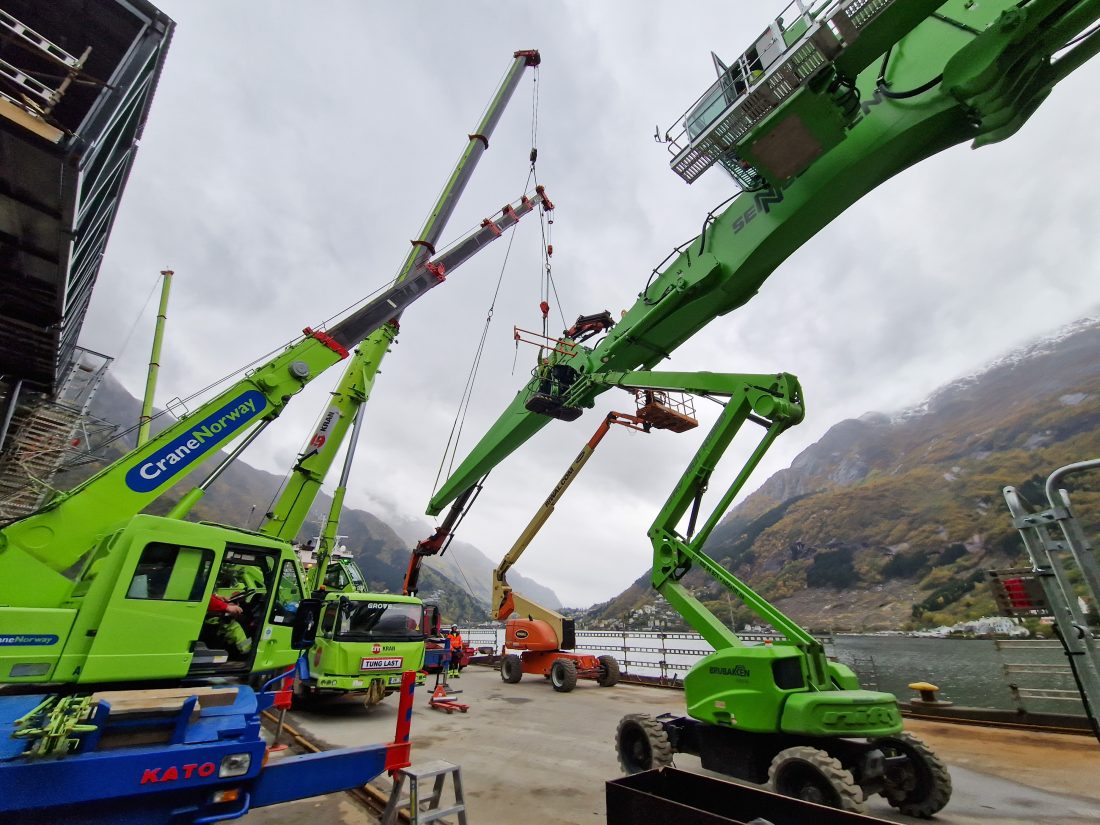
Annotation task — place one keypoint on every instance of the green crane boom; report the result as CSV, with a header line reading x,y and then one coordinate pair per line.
x,y
40,547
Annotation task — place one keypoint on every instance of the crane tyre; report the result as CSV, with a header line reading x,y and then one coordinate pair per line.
x,y
563,675
812,775
511,668
303,696
609,672
642,744
921,786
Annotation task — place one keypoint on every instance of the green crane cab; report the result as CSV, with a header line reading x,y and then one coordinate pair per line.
x,y
149,604
366,642
344,576
342,572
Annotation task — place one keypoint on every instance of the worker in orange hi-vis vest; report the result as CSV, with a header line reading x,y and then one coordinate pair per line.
x,y
455,639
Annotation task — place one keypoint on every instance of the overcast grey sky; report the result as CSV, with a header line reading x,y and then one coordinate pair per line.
x,y
293,149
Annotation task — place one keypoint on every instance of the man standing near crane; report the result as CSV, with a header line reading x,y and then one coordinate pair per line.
x,y
454,639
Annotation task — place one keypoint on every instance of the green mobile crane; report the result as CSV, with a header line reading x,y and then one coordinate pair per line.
x,y
831,101
93,592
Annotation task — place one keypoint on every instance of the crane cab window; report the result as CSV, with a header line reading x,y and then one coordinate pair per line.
x,y
328,620
171,573
288,592
378,621
336,578
253,590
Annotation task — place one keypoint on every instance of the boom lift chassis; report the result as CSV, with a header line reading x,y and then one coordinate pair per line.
x,y
779,713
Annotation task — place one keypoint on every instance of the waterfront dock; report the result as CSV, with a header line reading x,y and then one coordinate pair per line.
x,y
531,755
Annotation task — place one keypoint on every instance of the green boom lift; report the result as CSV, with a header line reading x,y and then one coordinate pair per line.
x,y
831,101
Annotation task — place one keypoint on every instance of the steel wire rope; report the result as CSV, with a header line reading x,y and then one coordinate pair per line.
x,y
455,435
546,280
461,572
137,318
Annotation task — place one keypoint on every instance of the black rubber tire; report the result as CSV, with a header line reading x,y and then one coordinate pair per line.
x,y
923,786
609,672
303,696
563,675
511,668
812,775
642,744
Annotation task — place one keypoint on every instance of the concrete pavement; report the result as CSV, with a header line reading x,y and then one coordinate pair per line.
x,y
531,755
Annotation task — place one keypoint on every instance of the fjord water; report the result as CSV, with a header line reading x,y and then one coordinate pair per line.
x,y
967,671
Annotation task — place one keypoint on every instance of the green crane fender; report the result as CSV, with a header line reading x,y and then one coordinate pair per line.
x,y
994,64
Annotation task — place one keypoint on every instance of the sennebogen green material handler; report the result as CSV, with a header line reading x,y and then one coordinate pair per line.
x,y
832,100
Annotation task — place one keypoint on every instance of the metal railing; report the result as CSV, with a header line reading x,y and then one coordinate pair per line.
x,y
798,45
1032,674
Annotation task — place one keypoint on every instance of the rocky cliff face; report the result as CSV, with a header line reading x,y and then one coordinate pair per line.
x,y
893,519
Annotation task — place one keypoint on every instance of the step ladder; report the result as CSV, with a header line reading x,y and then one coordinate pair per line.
x,y
437,770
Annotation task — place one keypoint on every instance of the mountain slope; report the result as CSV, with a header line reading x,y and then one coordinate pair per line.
x,y
892,520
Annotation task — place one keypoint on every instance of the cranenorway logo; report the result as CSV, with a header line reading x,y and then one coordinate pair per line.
x,y
27,639
193,444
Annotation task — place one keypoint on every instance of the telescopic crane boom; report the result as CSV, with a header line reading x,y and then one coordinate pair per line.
x,y
314,462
